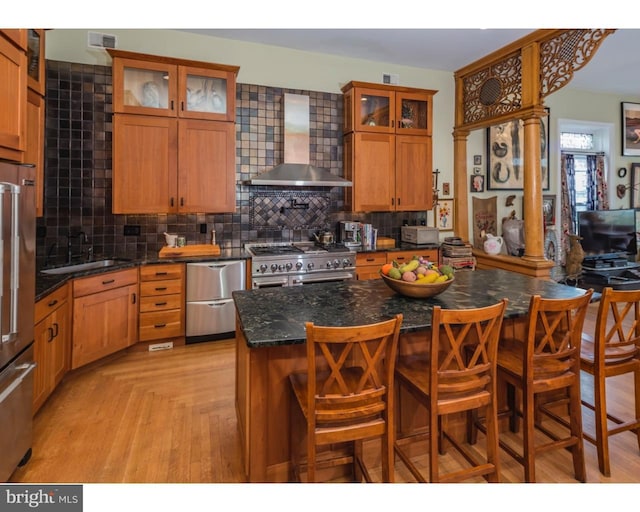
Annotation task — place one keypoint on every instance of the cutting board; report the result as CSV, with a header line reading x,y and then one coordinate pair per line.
x,y
190,250
384,242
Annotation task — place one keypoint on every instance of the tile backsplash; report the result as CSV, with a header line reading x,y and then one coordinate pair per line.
x,y
78,170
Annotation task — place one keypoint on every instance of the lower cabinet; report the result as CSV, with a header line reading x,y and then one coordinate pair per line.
x,y
368,264
51,344
162,299
105,315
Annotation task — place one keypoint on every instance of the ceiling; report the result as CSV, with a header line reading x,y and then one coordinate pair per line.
x,y
614,69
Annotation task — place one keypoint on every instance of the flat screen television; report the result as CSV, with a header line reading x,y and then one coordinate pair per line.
x,y
607,233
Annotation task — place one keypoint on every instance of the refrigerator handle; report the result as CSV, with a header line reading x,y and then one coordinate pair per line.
x,y
15,258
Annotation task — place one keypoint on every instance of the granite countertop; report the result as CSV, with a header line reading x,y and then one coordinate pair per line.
x,y
47,283
276,316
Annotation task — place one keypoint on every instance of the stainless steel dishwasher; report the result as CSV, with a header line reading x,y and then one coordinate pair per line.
x,y
210,311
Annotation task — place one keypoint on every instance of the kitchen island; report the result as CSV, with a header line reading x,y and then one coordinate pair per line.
x,y
270,344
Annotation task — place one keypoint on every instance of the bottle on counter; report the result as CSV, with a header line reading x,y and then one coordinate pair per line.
x,y
213,237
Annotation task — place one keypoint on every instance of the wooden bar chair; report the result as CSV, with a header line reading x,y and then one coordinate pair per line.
x,y
346,395
546,361
463,344
613,350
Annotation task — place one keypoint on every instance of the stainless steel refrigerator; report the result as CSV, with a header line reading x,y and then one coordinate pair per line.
x,y
17,296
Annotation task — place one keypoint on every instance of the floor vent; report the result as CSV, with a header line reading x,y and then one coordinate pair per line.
x,y
161,346
98,40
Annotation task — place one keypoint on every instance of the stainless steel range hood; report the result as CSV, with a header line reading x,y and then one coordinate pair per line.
x,y
296,170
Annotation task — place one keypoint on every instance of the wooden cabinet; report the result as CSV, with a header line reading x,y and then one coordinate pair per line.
x,y
105,315
174,135
34,150
51,344
162,301
388,147
368,264
432,255
13,98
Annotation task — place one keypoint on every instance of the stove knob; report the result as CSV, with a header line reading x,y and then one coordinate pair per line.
x,y
328,264
310,265
336,263
298,265
263,268
346,263
289,266
274,267
280,268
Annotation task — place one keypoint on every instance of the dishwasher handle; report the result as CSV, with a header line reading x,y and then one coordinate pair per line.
x,y
27,369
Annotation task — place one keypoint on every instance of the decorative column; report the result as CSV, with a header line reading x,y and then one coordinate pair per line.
x,y
532,192
461,218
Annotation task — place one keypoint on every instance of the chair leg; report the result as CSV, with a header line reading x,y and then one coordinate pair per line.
x,y
388,454
492,440
311,458
357,456
434,449
602,428
636,380
511,404
528,439
575,414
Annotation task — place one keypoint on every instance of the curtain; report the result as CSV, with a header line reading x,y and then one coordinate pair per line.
x,y
597,198
567,203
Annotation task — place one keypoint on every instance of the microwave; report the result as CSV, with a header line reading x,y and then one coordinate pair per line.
x,y
420,235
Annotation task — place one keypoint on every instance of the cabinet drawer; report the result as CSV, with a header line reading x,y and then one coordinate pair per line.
x,y
367,272
106,281
166,287
163,324
160,303
405,256
50,303
371,258
161,272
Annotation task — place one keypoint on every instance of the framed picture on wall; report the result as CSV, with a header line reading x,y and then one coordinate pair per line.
x,y
476,183
505,150
630,129
444,211
549,210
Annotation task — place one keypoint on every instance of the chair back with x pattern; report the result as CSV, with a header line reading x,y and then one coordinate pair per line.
x,y
464,344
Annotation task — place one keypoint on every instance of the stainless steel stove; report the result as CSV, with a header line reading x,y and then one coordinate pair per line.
x,y
298,263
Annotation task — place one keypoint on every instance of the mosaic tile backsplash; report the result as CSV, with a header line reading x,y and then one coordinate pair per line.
x,y
78,170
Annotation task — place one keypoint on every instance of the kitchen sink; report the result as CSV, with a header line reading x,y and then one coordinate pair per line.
x,y
79,267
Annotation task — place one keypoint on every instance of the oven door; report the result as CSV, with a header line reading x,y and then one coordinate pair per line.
x,y
323,277
269,282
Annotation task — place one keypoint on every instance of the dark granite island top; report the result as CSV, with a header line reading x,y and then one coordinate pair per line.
x,y
276,316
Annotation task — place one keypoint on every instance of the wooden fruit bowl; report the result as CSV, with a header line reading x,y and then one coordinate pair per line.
x,y
416,289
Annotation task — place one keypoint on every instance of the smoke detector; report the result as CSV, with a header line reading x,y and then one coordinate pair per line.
x,y
101,41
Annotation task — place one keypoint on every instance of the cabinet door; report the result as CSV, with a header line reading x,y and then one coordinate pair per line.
x,y
35,60
207,174
144,164
414,179
34,150
103,323
413,113
142,87
13,101
206,94
373,172
373,110
61,345
43,336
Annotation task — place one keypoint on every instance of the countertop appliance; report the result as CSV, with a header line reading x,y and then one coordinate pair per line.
x,y
348,233
17,302
420,235
210,313
298,263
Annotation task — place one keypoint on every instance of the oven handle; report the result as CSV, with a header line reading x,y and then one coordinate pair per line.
x,y
334,276
266,283
26,370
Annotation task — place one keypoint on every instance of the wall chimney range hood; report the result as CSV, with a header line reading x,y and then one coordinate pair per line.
x,y
296,170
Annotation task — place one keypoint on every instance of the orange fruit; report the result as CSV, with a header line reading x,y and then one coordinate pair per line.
x,y
385,268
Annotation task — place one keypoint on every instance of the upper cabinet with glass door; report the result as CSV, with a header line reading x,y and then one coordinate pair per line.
x,y
164,86
387,109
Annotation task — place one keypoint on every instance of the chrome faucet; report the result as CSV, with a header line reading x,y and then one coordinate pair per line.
x,y
83,240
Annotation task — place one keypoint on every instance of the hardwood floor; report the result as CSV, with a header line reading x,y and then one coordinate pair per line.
x,y
169,416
